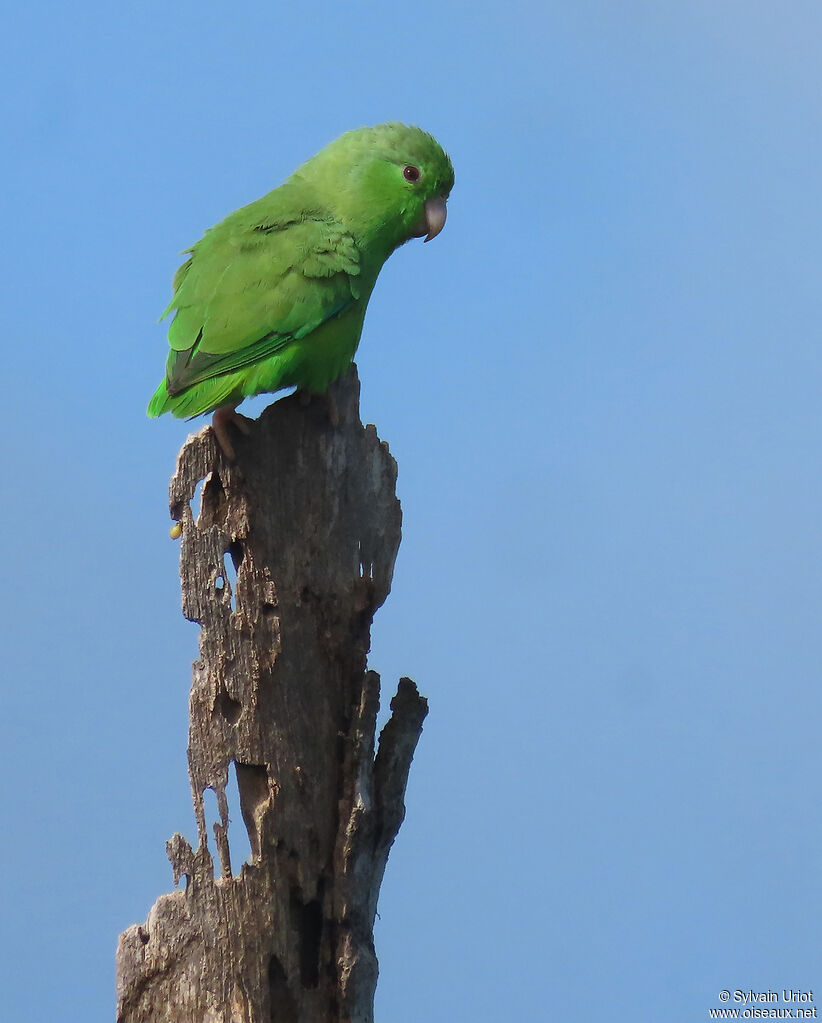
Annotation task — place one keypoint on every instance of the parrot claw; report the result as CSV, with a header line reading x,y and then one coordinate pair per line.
x,y
219,423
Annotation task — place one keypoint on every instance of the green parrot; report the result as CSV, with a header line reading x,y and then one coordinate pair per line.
x,y
274,296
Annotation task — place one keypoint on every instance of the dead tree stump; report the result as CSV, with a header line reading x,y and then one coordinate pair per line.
x,y
309,517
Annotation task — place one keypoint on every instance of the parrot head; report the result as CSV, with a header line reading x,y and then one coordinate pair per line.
x,y
390,183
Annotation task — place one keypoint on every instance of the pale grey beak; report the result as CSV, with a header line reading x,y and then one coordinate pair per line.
x,y
435,214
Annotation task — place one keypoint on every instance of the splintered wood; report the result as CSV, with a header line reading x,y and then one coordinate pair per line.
x,y
306,523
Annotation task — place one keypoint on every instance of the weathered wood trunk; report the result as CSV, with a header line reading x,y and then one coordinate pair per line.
x,y
309,517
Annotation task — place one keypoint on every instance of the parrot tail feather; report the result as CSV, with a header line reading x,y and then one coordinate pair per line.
x,y
197,399
160,402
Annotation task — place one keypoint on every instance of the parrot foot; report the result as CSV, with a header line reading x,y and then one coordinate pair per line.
x,y
219,423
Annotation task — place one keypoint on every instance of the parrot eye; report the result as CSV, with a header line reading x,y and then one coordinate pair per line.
x,y
411,173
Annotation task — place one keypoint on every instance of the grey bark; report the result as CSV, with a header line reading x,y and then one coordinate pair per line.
x,y
309,516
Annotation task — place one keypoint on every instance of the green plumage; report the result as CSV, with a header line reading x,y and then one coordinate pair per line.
x,y
275,295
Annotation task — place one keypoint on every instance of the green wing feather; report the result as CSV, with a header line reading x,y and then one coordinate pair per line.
x,y
253,289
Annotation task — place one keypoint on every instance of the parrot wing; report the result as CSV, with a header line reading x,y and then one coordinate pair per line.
x,y
246,293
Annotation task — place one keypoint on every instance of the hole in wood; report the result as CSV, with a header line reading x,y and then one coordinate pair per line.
x,y
255,799
307,920
212,502
366,567
230,576
282,1005
229,708
237,551
240,844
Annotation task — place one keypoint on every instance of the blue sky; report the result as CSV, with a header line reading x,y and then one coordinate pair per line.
x,y
602,386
